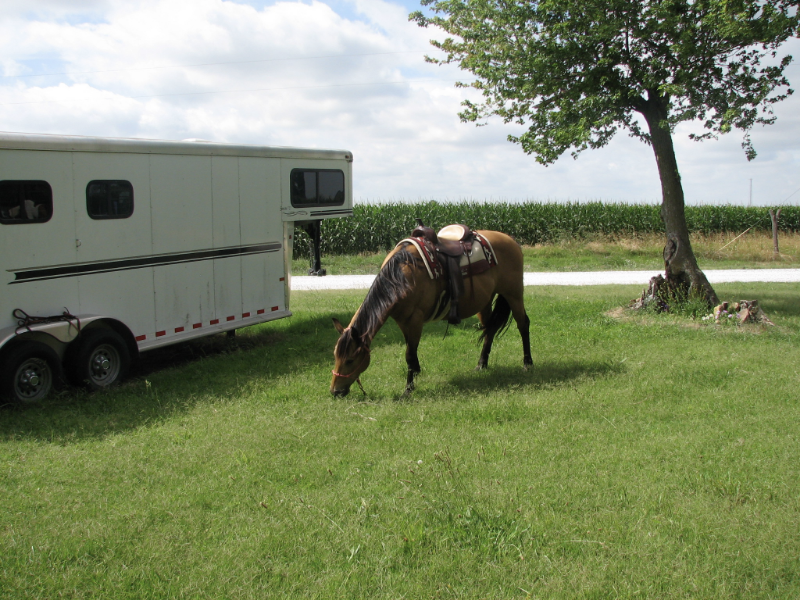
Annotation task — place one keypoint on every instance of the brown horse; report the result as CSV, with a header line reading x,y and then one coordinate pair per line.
x,y
404,291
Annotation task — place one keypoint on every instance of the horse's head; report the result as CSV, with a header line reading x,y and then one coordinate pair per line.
x,y
351,355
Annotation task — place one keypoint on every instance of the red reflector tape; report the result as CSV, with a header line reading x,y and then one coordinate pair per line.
x,y
215,322
245,315
231,318
160,333
178,329
282,279
274,308
260,311
139,338
197,326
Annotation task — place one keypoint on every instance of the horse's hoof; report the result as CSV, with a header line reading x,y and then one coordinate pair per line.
x,y
527,365
480,367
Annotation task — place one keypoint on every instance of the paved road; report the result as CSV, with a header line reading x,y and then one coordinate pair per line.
x,y
357,282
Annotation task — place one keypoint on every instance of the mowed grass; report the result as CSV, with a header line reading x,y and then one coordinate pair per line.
x,y
753,250
643,456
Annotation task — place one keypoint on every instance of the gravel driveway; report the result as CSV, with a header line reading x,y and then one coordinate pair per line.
x,y
357,282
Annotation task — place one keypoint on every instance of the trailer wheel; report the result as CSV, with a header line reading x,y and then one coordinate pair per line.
x,y
101,359
29,372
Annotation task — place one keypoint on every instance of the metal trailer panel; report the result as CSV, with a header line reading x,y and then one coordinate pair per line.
x,y
125,296
227,233
108,239
59,231
225,209
180,189
259,200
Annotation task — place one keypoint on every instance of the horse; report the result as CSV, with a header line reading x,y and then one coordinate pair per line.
x,y
405,291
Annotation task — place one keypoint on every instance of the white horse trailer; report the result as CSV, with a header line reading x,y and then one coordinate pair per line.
x,y
110,247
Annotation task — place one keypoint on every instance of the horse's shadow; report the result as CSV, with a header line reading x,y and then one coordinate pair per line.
x,y
543,375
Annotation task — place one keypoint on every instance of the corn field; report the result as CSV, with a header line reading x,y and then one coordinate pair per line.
x,y
378,227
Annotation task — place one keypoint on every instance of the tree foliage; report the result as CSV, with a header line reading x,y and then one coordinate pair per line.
x,y
577,71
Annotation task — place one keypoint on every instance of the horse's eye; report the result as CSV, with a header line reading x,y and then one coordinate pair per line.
x,y
349,361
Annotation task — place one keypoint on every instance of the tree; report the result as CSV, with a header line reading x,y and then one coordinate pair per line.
x,y
577,71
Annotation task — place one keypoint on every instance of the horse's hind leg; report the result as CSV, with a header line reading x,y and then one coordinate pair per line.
x,y
484,316
523,325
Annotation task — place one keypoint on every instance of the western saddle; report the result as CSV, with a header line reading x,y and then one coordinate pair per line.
x,y
451,243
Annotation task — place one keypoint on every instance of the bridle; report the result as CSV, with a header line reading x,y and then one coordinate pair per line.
x,y
335,373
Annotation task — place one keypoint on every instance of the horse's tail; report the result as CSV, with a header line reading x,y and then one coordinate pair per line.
x,y
499,319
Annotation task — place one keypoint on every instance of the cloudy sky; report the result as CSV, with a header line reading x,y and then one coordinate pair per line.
x,y
346,74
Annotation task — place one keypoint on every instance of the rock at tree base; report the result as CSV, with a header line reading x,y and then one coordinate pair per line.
x,y
745,311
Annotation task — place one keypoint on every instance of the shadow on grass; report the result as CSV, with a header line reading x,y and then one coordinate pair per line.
x,y
780,302
777,298
543,375
172,380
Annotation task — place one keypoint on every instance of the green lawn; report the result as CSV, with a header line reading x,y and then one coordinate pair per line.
x,y
720,251
643,456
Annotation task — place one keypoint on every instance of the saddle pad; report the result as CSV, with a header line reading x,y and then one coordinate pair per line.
x,y
480,258
428,254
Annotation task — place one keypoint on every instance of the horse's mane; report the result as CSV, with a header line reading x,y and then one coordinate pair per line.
x,y
389,287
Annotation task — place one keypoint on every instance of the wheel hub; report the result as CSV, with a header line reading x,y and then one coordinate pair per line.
x,y
33,380
29,380
101,364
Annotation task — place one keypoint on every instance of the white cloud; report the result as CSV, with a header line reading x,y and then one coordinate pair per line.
x,y
340,74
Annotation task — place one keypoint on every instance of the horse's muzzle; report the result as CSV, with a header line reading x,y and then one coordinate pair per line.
x,y
341,393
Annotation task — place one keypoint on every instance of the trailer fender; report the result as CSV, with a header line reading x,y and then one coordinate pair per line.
x,y
59,335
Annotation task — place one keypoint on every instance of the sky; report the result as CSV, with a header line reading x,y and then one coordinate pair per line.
x,y
339,74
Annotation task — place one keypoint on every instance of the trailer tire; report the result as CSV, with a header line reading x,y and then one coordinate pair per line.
x,y
100,360
29,371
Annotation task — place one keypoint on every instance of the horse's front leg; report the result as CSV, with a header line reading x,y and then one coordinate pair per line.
x,y
413,365
412,332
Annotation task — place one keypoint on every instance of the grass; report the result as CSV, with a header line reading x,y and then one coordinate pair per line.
x,y
645,456
600,253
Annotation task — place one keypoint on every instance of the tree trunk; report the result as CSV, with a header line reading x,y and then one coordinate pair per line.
x,y
684,278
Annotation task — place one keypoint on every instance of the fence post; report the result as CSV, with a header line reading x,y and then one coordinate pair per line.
x,y
775,216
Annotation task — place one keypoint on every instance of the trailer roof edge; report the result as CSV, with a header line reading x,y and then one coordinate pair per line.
x,y
77,143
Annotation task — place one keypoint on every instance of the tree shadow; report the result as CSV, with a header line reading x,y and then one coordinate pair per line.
x,y
783,302
774,299
170,381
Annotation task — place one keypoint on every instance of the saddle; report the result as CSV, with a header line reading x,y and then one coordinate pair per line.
x,y
451,244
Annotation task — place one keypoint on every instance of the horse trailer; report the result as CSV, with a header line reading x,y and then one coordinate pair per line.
x,y
111,247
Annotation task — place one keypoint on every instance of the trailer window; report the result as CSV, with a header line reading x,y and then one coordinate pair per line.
x,y
317,187
25,202
109,199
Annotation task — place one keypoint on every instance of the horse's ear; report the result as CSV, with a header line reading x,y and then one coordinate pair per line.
x,y
338,326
